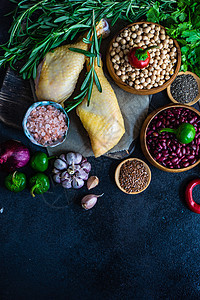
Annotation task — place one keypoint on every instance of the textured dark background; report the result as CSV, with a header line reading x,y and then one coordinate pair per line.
x,y
127,247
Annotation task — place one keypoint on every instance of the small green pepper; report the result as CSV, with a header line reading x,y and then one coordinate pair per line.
x,y
15,182
185,133
39,184
40,161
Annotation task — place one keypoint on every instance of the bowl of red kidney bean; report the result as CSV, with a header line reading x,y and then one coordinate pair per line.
x,y
163,150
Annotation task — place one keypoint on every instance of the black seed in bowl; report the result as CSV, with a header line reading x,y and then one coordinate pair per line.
x,y
184,88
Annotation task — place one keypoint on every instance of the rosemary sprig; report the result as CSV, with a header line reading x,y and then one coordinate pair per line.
x,y
91,76
40,26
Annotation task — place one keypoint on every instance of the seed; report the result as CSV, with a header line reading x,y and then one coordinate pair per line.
x,y
184,88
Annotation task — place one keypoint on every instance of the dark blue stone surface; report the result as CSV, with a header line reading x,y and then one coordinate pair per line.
x,y
127,247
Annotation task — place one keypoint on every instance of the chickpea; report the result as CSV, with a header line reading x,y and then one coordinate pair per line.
x,y
133,28
119,73
129,69
137,26
130,83
137,81
121,54
162,56
133,76
112,53
145,25
150,73
149,86
145,38
116,67
148,80
134,35
137,41
123,47
161,82
155,72
155,38
162,37
164,66
155,84
118,50
173,49
131,43
123,78
160,46
150,35
157,79
113,60
142,80
123,68
136,86
151,68
167,77
118,39
147,29
115,45
123,41
145,84
147,43
152,26
151,61
163,72
137,72
122,61
141,75
116,57
157,28
152,31
125,34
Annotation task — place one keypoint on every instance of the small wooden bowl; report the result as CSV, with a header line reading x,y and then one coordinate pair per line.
x,y
117,172
197,97
144,143
130,89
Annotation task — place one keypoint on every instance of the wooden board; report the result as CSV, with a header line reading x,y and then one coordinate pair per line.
x,y
15,98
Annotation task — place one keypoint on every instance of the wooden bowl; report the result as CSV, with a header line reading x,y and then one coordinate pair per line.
x,y
130,89
144,143
117,173
197,97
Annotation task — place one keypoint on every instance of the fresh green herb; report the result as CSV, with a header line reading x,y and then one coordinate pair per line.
x,y
40,26
183,25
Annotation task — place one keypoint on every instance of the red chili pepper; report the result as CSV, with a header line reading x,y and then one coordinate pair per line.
x,y
139,57
188,196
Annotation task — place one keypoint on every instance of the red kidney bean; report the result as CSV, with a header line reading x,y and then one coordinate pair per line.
x,y
175,159
186,164
190,156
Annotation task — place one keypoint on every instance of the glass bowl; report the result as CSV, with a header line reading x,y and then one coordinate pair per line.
x,y
31,137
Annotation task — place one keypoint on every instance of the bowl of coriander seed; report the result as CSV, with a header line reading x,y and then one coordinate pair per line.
x,y
164,58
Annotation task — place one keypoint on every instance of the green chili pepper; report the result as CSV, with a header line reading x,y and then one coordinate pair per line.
x,y
39,184
185,133
40,161
15,182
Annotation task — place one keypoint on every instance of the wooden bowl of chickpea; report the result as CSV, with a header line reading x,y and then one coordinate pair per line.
x,y
164,65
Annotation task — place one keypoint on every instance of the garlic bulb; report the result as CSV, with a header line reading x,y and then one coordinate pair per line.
x,y
71,170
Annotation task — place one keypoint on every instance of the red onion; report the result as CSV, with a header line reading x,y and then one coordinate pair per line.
x,y
13,155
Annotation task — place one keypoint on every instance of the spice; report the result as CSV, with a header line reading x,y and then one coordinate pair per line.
x,y
133,176
184,88
47,124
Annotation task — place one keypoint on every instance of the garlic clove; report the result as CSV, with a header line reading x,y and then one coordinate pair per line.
x,y
92,182
89,201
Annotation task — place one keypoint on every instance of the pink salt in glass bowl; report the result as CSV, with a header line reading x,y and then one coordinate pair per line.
x,y
57,106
